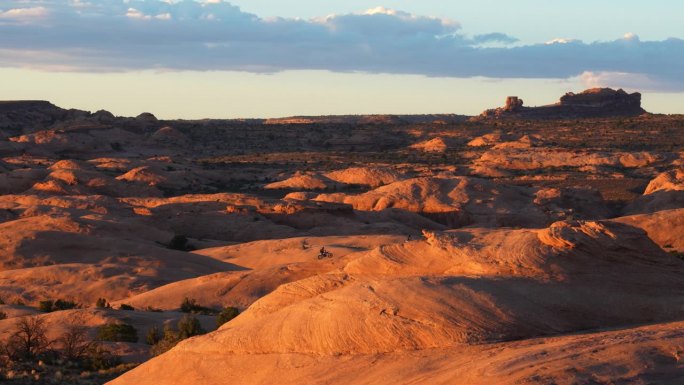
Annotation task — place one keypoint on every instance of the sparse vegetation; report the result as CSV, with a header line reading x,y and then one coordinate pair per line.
x,y
226,315
124,306
28,341
153,336
102,304
180,242
191,306
188,326
74,342
49,306
29,357
117,333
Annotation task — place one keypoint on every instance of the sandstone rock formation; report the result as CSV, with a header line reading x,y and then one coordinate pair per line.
x,y
595,102
520,251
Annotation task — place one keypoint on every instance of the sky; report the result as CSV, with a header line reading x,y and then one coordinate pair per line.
x,y
270,58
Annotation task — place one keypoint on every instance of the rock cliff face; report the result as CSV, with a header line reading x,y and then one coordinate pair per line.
x,y
603,98
592,103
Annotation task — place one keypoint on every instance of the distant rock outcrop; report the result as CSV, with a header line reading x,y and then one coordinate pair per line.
x,y
592,103
36,114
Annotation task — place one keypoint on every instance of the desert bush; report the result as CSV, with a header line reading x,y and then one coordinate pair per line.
x,y
28,340
153,336
3,315
191,306
189,326
74,342
48,306
124,306
102,303
117,333
226,315
180,242
169,340
99,358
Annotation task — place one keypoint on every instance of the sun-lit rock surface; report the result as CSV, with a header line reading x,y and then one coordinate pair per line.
x,y
546,248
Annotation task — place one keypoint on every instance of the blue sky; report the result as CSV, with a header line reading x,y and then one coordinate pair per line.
x,y
263,58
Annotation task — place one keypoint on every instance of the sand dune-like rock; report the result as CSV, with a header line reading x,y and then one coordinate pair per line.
x,y
271,263
67,164
143,175
437,276
664,227
277,252
57,252
367,176
433,145
239,289
672,180
78,139
664,192
170,135
79,182
526,141
112,164
301,181
490,139
20,180
647,353
462,201
538,254
366,311
527,159
353,176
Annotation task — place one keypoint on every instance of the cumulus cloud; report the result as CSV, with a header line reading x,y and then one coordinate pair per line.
x,y
24,13
630,81
122,35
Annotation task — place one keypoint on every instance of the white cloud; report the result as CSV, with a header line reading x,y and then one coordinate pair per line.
x,y
135,14
109,35
630,36
561,41
24,13
629,81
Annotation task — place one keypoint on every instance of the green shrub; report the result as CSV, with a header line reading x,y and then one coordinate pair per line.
x,y
65,305
99,358
153,336
48,306
124,306
191,306
117,333
226,315
168,341
189,326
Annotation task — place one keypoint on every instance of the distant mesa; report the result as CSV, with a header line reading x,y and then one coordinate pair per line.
x,y
592,103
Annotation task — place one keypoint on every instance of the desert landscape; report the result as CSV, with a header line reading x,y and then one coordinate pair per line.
x,y
525,245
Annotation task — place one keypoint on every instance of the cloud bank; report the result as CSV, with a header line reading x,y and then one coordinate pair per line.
x,y
124,35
